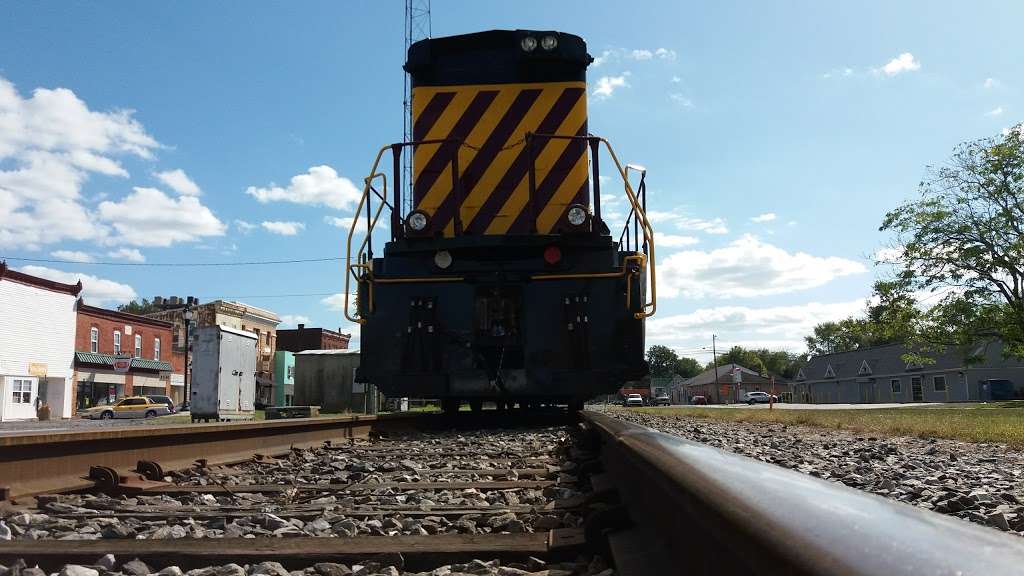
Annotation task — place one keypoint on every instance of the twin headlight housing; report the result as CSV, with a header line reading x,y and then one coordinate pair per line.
x,y
548,42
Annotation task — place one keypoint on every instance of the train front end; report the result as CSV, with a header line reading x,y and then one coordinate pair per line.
x,y
503,282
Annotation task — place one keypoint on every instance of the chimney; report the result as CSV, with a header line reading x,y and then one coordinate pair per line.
x,y
302,326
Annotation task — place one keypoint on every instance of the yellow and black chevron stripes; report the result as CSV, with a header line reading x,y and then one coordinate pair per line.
x,y
491,122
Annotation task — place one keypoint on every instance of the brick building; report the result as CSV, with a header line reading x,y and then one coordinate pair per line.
x,y
729,383
101,335
303,338
237,315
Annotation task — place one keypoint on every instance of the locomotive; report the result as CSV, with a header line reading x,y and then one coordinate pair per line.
x,y
501,281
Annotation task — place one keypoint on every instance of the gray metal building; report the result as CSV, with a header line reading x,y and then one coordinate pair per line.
x,y
325,378
880,375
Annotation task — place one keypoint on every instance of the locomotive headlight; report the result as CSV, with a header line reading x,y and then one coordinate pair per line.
x,y
443,259
417,221
549,43
577,215
528,43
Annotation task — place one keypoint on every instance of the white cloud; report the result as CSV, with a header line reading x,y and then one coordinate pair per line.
x,y
889,255
991,83
905,62
766,217
283,228
245,227
343,222
606,85
676,79
72,256
680,99
178,181
127,255
780,327
95,291
665,53
663,240
293,320
998,111
50,144
320,186
148,217
603,58
336,302
641,54
747,268
683,222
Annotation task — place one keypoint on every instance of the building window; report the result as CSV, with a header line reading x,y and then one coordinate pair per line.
x,y
94,340
895,383
291,372
939,383
22,391
156,349
117,342
138,345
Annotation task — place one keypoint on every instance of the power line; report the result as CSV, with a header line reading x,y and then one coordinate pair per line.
x,y
172,264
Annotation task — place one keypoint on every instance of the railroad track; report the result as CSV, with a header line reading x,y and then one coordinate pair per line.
x,y
407,494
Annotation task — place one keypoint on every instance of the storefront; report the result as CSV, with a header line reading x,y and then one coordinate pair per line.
x,y
98,383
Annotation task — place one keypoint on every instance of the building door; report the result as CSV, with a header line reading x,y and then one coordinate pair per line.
x,y
866,393
915,389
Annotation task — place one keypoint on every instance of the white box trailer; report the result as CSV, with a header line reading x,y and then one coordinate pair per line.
x,y
223,378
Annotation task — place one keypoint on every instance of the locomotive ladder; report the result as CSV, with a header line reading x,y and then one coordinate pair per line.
x,y
360,267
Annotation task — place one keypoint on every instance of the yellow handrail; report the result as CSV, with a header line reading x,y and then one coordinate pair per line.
x,y
355,221
648,309
648,232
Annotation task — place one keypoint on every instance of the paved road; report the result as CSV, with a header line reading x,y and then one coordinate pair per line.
x,y
77,424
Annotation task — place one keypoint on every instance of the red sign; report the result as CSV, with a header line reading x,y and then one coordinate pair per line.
x,y
122,364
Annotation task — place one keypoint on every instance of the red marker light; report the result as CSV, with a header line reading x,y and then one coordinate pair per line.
x,y
552,254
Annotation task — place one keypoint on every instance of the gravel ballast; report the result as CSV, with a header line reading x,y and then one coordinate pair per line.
x,y
981,483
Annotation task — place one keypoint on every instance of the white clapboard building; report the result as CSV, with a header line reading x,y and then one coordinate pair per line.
x,y
37,345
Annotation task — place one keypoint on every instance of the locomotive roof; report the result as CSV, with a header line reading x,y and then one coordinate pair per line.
x,y
496,56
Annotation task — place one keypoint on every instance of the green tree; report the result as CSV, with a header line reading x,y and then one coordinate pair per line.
x,y
891,315
688,367
135,307
662,360
762,360
964,237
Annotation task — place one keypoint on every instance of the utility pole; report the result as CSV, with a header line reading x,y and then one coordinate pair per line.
x,y
417,27
714,360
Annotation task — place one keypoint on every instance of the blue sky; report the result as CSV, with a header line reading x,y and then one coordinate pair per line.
x,y
813,116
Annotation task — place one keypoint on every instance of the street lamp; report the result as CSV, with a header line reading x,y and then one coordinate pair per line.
x,y
188,321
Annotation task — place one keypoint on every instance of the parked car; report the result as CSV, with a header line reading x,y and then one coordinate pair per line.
x,y
163,400
662,400
760,397
130,407
698,400
633,400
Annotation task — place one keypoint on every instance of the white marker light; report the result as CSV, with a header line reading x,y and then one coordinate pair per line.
x,y
443,259
577,215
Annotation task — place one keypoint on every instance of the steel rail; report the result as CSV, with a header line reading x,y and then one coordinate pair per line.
x,y
715,512
35,463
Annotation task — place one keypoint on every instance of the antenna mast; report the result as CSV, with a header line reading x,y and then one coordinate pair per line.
x,y
417,27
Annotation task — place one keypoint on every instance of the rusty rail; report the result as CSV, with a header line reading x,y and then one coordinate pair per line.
x,y
58,462
690,508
